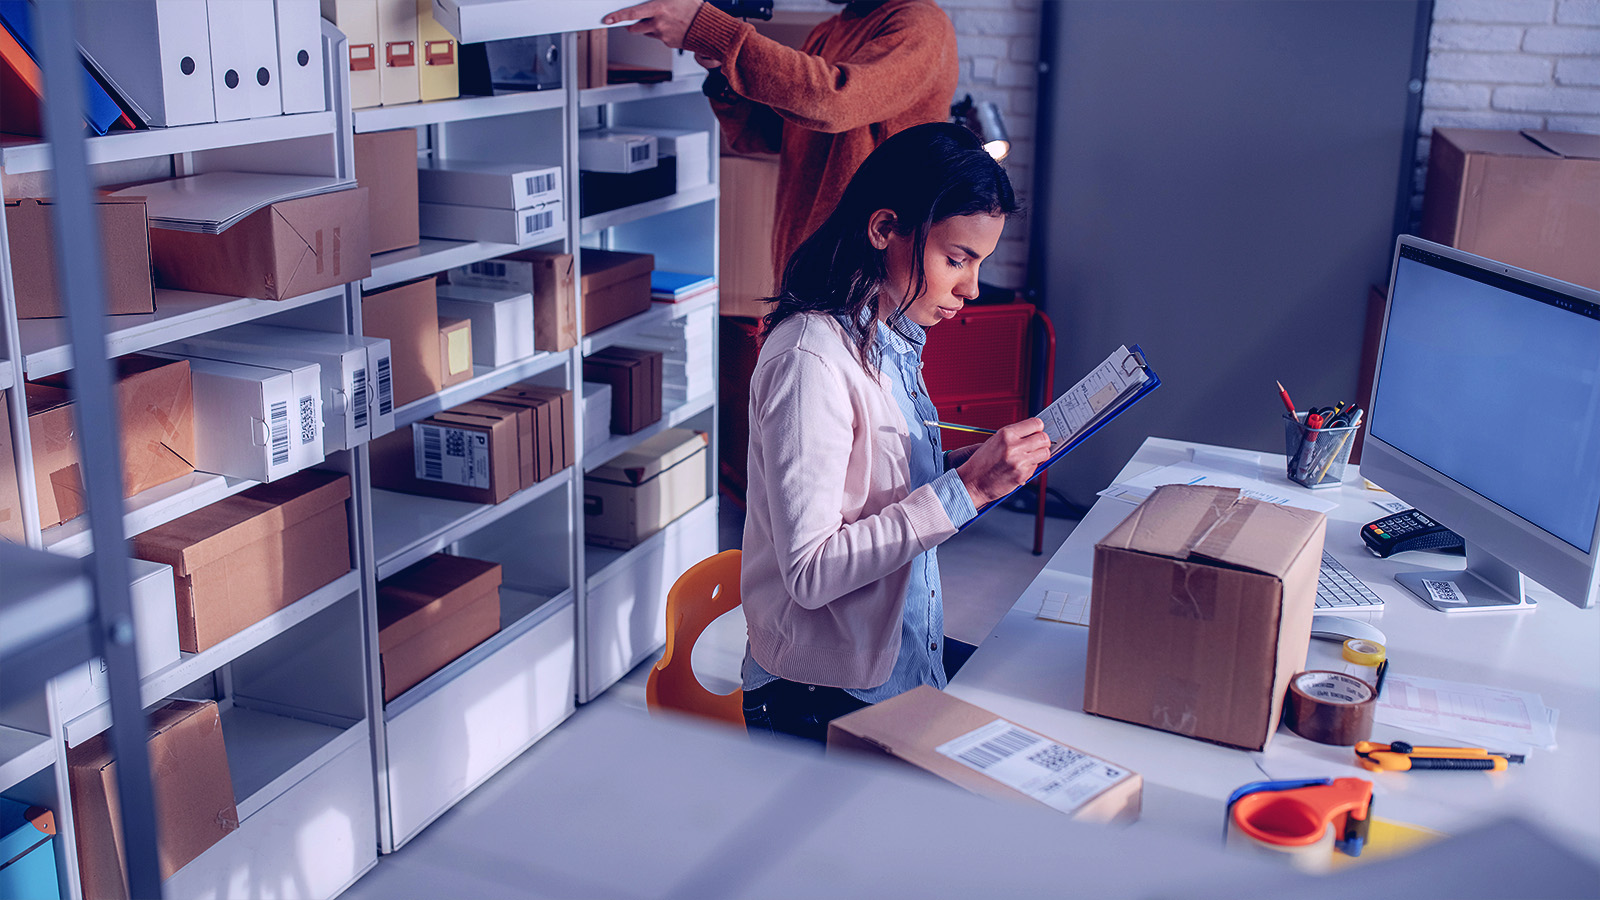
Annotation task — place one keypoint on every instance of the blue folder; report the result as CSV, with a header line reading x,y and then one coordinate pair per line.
x,y
100,109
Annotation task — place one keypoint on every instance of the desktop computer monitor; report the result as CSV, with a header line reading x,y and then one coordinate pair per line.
x,y
1485,415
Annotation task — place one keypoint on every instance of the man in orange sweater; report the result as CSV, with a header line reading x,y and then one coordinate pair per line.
x,y
872,70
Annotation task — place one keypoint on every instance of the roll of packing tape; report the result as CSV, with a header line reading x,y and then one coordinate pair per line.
x,y
1330,708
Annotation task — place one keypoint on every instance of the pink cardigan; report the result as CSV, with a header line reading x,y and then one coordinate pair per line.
x,y
830,529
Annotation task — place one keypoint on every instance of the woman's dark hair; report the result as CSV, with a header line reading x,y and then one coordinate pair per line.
x,y
924,175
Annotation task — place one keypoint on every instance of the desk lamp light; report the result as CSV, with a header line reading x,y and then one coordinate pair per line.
x,y
983,119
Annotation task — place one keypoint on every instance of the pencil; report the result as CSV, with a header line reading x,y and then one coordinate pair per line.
x,y
951,426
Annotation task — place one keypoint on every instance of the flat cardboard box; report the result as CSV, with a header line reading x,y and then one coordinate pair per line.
x,y
548,277
502,321
10,488
407,316
615,286
639,492
280,251
386,165
193,795
455,350
748,205
557,403
913,726
245,557
124,248
1202,613
472,461
1529,198
432,612
524,417
635,379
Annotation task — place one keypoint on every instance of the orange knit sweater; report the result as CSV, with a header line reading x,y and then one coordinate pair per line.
x,y
866,73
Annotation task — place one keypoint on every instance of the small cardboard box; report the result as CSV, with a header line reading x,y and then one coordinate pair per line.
x,y
592,57
455,350
27,851
1530,199
10,488
553,406
155,629
540,223
432,612
193,795
615,286
1202,612
407,316
525,419
502,321
638,493
279,251
548,277
635,379
124,246
245,557
386,165
259,420
457,458
966,745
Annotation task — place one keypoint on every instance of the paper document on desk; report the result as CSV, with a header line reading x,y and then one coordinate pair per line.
x,y
1136,489
1095,395
1490,717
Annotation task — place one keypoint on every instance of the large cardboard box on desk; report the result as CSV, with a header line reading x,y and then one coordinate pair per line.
x,y
407,316
27,851
969,746
279,251
432,612
124,248
637,494
245,557
1202,612
386,165
615,286
1529,198
193,795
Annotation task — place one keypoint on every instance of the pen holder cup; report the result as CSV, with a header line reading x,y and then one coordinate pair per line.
x,y
1317,456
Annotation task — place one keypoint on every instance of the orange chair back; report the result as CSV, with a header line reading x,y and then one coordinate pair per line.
x,y
708,590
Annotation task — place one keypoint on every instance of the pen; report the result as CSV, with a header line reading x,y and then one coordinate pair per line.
x,y
1308,447
1355,422
1287,403
954,427
1401,757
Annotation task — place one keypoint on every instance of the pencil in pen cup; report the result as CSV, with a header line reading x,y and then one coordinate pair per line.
x,y
1333,456
1284,395
952,426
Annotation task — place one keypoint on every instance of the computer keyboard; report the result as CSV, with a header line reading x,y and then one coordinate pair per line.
x,y
1338,589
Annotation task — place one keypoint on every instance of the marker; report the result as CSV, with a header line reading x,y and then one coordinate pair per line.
x,y
951,426
1287,403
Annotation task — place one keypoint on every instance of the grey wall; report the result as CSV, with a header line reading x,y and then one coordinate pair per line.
x,y
1219,183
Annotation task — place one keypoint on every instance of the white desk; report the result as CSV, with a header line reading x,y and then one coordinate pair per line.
x,y
1032,672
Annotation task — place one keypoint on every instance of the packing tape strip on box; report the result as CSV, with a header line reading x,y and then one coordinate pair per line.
x,y
1330,707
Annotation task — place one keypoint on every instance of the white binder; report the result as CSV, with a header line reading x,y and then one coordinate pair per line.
x,y
156,54
300,56
244,58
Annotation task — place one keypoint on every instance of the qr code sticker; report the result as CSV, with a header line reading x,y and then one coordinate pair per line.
x,y
308,420
1055,757
455,443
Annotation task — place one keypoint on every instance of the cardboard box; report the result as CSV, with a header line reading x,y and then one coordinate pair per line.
x,y
960,743
1202,613
614,286
548,277
193,795
259,420
639,492
245,557
478,183
280,251
524,418
502,321
379,378
386,165
432,612
540,223
455,350
622,152
554,421
596,415
636,51
407,316
749,198
692,150
27,851
155,629
451,457
1530,199
124,248
593,46
52,435
635,379
541,451
11,528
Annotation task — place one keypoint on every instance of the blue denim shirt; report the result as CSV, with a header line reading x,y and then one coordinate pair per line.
x,y
921,659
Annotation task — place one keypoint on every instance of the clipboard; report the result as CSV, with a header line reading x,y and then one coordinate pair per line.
x,y
1132,362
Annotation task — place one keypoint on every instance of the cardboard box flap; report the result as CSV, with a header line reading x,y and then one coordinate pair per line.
x,y
1567,144
315,245
1217,524
602,268
1493,143
653,456
420,596
160,393
303,494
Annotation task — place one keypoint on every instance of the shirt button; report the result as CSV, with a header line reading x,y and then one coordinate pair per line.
x,y
933,594
933,647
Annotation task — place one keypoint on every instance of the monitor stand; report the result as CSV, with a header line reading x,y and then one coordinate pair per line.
x,y
1485,585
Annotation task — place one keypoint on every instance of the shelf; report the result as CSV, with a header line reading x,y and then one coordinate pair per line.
x,y
458,109
149,508
268,753
483,381
680,200
625,93
46,349
26,155
47,616
407,527
659,313
23,755
600,561
670,418
5,375
433,256
520,612
165,682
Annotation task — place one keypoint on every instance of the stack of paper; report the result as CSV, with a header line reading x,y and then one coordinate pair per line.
x,y
216,201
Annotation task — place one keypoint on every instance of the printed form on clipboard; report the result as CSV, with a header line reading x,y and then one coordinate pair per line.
x,y
1100,396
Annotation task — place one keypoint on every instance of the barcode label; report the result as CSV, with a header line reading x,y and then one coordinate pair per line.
x,y
1054,774
385,387
489,269
278,429
534,223
308,420
639,152
451,455
358,400
539,184
432,455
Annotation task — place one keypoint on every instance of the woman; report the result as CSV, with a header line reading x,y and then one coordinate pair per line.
x,y
849,492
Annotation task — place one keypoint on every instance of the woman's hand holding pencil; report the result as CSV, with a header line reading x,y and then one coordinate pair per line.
x,y
1005,461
